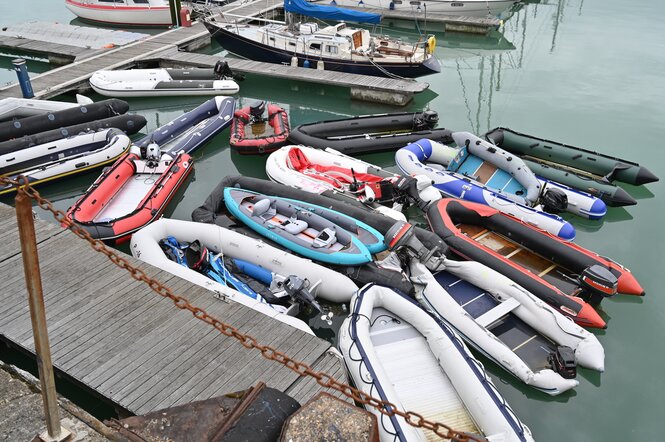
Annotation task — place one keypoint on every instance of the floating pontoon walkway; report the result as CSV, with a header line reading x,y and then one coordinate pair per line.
x,y
362,87
122,342
452,23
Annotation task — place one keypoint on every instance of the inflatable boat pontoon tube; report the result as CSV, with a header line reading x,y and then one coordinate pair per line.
x,y
158,83
317,171
409,160
244,124
188,132
574,158
61,118
315,232
129,195
52,161
371,133
509,325
333,286
15,108
396,351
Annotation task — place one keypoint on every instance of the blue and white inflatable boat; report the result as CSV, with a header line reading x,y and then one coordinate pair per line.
x,y
426,157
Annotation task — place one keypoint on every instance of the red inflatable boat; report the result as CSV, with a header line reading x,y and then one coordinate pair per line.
x,y
251,134
130,194
561,273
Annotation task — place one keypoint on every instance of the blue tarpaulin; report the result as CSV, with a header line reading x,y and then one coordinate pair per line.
x,y
329,12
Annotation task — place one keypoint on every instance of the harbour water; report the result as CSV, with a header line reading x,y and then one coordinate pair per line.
x,y
585,72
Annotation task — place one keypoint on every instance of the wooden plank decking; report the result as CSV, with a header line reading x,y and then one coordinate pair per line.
x,y
119,340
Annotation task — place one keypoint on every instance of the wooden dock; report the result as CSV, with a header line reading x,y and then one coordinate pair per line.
x,y
362,87
451,23
123,343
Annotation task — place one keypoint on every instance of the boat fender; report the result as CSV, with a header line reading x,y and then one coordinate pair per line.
x,y
597,282
554,201
431,44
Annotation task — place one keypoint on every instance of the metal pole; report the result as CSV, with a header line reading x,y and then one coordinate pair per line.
x,y
33,281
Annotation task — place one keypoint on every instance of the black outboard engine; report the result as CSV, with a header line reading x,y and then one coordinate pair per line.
x,y
408,186
562,360
401,236
296,288
428,120
257,109
554,201
597,282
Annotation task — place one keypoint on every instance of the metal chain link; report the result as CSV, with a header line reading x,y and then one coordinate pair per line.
x,y
322,378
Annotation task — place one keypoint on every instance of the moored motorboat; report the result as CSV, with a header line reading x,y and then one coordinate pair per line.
x,y
334,48
317,171
130,194
253,134
314,232
396,351
50,161
371,133
161,83
61,118
410,160
193,129
580,168
123,12
559,272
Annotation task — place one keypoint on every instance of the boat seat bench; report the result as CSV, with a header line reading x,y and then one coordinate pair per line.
x,y
497,312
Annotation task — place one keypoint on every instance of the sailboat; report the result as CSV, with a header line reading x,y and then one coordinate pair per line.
x,y
335,48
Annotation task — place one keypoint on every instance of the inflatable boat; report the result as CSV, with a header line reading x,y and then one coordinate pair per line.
x,y
193,129
371,133
509,325
213,208
317,171
410,161
14,108
61,118
314,232
129,124
253,134
577,167
321,282
561,273
51,161
397,352
160,83
130,194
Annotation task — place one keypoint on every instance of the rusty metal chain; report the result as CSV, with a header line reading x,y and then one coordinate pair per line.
x,y
322,378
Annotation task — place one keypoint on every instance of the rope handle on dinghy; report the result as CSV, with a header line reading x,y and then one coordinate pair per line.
x,y
25,189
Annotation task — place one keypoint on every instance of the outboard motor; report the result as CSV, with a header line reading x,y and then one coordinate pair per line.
x,y
597,282
562,360
152,155
196,256
256,110
296,288
428,120
554,201
401,236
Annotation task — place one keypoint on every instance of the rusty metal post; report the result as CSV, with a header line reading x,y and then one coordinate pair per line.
x,y
33,281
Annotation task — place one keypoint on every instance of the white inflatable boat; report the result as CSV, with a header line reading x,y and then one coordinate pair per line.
x,y
50,161
11,108
323,282
159,83
396,351
329,171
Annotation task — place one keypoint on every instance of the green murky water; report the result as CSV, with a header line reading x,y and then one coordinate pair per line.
x,y
587,72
